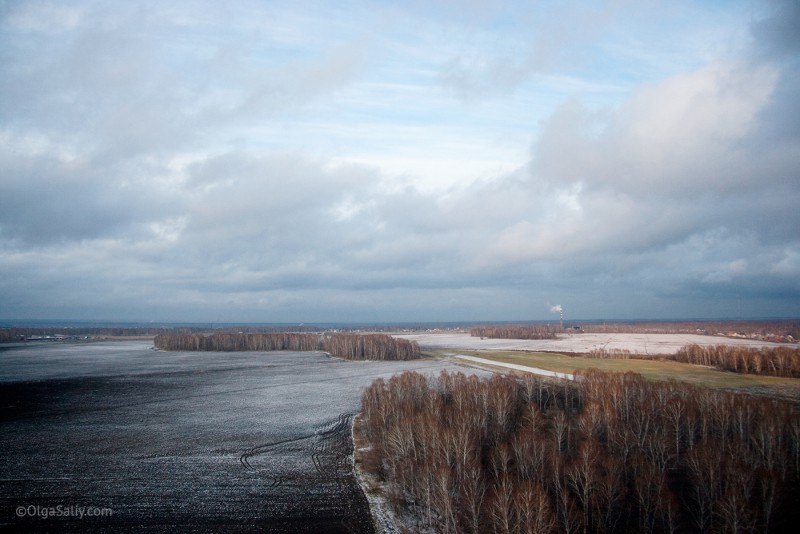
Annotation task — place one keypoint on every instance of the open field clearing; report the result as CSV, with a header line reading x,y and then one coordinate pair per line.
x,y
652,344
177,441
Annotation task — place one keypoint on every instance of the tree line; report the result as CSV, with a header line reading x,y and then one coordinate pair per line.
x,y
760,329
770,361
340,345
606,453
765,361
8,335
519,331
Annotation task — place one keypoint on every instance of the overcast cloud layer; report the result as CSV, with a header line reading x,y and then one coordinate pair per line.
x,y
381,161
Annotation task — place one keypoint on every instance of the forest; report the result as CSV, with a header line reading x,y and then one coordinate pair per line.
x,y
605,453
769,361
518,331
340,345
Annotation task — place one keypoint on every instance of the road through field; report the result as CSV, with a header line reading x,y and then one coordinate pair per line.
x,y
515,367
181,442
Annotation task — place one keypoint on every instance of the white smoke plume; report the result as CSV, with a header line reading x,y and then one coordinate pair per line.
x,y
556,309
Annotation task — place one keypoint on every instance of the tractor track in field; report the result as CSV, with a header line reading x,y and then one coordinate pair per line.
x,y
200,442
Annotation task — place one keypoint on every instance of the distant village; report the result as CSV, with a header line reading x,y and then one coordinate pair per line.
x,y
54,337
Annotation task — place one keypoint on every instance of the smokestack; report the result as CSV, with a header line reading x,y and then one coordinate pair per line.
x,y
560,311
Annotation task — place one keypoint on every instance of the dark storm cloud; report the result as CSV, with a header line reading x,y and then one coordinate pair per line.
x,y
44,200
776,33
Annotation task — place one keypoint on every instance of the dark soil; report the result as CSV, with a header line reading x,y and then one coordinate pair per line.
x,y
177,442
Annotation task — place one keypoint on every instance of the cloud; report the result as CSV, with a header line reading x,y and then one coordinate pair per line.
x,y
677,157
484,67
625,189
290,165
664,136
123,83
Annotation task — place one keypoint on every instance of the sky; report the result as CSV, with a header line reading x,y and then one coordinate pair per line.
x,y
377,161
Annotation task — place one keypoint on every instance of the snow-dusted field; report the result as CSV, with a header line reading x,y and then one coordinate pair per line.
x,y
172,441
636,343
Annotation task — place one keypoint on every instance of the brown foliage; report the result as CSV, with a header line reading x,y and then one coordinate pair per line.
x,y
770,361
369,347
608,453
520,331
8,335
